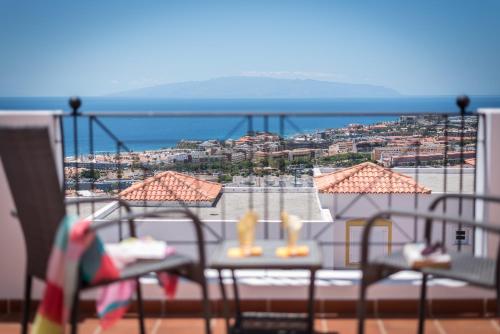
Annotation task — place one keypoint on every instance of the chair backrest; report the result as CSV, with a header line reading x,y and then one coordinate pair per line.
x,y
30,168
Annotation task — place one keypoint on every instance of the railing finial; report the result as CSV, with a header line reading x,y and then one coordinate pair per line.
x,y
75,103
463,102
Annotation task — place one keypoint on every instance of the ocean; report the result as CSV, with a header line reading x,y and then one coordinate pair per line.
x,y
143,133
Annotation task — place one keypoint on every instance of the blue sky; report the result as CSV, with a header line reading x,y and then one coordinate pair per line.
x,y
59,48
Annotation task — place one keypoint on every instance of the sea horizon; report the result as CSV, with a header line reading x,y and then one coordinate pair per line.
x,y
148,133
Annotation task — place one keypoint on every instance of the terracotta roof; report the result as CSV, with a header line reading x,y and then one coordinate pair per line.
x,y
172,186
368,178
471,161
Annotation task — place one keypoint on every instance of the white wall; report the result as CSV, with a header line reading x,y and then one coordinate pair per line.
x,y
333,255
12,252
352,206
176,230
488,181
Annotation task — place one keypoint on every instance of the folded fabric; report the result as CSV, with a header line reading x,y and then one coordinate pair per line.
x,y
133,249
415,258
113,299
78,251
75,252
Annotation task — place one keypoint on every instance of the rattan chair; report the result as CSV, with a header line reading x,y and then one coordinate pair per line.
x,y
29,165
477,271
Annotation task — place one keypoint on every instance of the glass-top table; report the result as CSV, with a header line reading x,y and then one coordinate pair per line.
x,y
266,322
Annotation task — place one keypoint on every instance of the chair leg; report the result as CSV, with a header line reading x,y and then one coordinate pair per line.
x,y
206,306
423,304
140,308
27,303
74,311
225,308
362,306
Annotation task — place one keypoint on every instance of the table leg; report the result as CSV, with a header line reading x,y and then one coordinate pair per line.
x,y
311,302
225,310
236,294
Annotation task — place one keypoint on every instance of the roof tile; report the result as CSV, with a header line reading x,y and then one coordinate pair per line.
x,y
172,186
368,178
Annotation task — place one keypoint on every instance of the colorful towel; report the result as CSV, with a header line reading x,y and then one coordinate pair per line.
x,y
78,251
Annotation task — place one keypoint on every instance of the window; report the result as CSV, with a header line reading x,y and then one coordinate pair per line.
x,y
380,240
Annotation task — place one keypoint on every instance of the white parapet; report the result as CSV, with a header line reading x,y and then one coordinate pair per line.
x,y
488,177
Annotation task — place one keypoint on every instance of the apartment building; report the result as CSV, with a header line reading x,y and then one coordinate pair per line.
x,y
342,147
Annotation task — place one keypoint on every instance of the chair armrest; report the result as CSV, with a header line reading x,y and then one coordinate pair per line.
x,y
441,198
197,224
429,218
444,197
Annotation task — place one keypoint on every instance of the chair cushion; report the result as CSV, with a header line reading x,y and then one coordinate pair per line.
x,y
144,267
464,267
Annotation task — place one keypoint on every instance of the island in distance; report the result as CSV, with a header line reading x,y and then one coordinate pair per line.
x,y
259,87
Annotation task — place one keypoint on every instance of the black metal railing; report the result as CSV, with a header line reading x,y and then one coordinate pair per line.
x,y
455,133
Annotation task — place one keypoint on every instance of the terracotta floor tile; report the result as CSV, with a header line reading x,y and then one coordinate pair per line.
x,y
129,326
320,325
467,326
218,326
10,328
10,324
181,326
404,326
349,326
88,326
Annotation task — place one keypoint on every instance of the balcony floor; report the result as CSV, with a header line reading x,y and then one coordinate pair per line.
x,y
10,324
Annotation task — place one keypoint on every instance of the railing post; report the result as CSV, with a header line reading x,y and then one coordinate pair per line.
x,y
266,180
251,133
282,168
92,155
463,102
75,103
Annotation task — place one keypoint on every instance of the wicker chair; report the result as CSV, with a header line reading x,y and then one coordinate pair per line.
x,y
29,165
477,271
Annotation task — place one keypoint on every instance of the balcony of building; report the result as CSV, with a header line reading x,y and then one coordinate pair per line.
x,y
333,176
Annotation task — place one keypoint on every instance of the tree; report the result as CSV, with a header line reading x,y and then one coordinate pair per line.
x,y
89,174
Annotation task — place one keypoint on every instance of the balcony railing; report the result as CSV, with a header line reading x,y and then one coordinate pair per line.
x,y
267,161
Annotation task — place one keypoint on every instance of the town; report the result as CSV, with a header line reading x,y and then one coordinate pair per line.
x,y
263,159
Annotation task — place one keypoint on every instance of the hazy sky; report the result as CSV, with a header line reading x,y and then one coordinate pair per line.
x,y
98,47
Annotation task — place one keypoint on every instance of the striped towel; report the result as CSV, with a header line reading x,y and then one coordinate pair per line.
x,y
78,251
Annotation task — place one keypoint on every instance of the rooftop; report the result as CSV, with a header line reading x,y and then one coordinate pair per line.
x,y
172,186
471,161
368,178
234,202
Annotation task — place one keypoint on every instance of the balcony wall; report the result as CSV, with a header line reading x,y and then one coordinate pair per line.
x,y
12,251
488,176
403,229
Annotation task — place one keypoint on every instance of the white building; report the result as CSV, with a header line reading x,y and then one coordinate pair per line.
x,y
354,194
238,156
342,147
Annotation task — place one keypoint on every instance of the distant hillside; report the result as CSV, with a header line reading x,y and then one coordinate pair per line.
x,y
258,87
